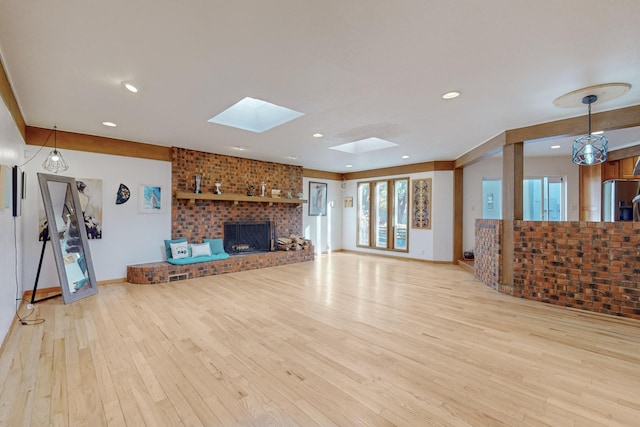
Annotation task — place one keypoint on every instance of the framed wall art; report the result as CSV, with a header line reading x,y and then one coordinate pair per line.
x,y
317,198
151,199
421,206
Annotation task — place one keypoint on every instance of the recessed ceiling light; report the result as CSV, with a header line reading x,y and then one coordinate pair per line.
x,y
109,124
405,156
555,147
348,166
291,157
255,115
451,95
600,132
130,87
318,135
239,148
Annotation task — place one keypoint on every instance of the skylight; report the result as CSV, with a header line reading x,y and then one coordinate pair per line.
x,y
255,115
364,145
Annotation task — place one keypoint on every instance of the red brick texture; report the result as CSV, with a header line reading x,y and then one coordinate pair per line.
x,y
593,266
205,218
160,272
488,252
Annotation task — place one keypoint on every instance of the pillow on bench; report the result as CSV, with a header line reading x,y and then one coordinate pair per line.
x,y
196,252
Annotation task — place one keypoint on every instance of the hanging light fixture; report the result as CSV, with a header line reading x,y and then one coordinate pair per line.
x,y
590,149
55,163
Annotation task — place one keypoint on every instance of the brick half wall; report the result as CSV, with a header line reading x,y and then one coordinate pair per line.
x,y
594,266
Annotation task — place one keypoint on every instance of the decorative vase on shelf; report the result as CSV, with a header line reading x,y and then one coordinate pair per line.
x,y
251,190
217,190
198,180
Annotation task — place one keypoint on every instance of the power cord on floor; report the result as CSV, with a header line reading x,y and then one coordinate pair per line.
x,y
23,320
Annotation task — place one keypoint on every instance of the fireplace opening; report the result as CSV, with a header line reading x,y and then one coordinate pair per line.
x,y
247,237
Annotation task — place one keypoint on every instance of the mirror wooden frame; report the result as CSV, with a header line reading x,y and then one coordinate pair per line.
x,y
73,261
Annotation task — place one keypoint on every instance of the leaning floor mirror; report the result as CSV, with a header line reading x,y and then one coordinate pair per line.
x,y
68,235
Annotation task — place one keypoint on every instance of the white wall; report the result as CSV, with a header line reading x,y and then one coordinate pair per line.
x,y
433,245
11,148
324,231
128,237
533,166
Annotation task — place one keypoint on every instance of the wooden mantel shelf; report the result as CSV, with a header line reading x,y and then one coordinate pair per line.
x,y
235,198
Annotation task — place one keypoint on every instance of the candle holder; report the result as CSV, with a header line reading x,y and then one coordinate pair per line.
x,y
217,190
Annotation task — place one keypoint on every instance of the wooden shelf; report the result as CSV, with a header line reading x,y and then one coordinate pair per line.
x,y
235,198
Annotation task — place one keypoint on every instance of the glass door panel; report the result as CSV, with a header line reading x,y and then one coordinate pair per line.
x,y
400,215
364,214
381,223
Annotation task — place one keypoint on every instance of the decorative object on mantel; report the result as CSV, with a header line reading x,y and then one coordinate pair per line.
x,y
198,181
236,198
275,194
251,190
421,217
217,190
123,194
289,194
591,149
263,188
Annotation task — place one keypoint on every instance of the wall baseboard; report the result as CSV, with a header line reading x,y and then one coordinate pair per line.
x,y
44,292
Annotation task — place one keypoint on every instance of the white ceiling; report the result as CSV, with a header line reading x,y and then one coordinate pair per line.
x,y
356,68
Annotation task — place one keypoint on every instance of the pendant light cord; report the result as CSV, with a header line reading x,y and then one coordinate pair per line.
x,y
41,147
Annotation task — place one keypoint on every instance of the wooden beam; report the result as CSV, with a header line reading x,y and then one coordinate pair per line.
x,y
607,120
487,149
512,176
313,173
6,92
458,213
624,153
402,170
98,144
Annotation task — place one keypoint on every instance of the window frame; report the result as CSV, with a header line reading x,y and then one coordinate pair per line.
x,y
391,213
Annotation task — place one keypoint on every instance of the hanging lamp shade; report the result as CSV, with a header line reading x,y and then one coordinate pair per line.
x,y
590,149
54,162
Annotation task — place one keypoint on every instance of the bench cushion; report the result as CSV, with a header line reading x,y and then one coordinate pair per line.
x,y
192,260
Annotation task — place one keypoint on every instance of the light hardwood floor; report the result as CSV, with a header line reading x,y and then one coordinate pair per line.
x,y
346,340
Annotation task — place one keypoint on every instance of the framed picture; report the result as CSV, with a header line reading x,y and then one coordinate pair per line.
x,y
348,202
317,198
421,208
151,199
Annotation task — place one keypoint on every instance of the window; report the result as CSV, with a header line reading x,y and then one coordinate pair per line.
x,y
543,199
383,214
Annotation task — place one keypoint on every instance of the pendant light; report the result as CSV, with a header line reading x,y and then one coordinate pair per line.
x,y
589,149
55,163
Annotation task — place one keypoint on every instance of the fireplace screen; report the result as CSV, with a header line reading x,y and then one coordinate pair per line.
x,y
247,237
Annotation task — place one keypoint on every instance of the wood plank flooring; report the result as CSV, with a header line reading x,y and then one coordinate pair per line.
x,y
346,340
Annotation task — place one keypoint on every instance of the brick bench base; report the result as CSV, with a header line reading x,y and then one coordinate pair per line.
x,y
162,272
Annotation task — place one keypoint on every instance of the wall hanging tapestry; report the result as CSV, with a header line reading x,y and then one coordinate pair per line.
x,y
421,215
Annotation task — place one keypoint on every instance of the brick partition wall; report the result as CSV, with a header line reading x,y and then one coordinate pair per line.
x,y
205,218
488,252
594,266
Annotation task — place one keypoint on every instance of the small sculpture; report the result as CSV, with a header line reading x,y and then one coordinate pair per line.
x,y
198,180
251,190
264,187
217,190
